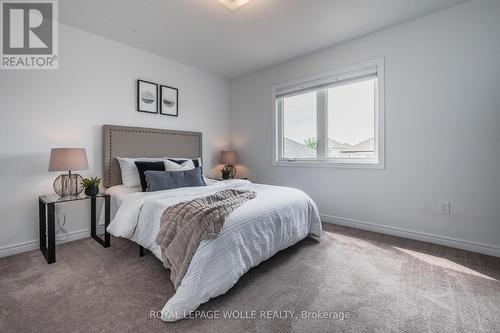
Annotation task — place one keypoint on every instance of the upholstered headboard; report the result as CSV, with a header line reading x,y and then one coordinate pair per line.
x,y
124,141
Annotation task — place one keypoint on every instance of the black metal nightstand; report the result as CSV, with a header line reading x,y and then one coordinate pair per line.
x,y
47,218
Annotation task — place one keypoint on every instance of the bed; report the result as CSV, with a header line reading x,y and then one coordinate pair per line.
x,y
277,218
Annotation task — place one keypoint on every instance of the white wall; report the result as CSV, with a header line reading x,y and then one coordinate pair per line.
x,y
94,85
442,121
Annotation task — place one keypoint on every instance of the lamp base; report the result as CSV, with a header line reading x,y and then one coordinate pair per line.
x,y
68,185
229,171
233,171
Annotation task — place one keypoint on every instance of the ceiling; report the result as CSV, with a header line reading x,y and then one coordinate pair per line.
x,y
206,35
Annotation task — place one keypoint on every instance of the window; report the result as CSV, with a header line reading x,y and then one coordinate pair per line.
x,y
299,125
333,119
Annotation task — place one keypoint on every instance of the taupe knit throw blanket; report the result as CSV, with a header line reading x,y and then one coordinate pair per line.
x,y
185,224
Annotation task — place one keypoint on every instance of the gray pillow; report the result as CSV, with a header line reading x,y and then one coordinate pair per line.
x,y
167,180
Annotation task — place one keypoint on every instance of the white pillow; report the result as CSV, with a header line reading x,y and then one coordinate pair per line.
x,y
130,174
173,166
184,159
187,159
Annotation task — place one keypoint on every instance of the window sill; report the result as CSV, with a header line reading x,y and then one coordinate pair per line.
x,y
326,164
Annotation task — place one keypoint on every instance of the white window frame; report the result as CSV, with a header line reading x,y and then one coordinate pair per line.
x,y
328,79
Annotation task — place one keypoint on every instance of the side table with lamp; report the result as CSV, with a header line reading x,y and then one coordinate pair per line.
x,y
229,158
68,188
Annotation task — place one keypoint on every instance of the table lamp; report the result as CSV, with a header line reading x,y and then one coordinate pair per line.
x,y
68,159
229,158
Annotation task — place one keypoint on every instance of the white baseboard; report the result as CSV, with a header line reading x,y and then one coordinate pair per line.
x,y
417,235
370,226
34,244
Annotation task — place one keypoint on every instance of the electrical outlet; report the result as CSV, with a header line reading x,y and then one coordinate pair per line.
x,y
444,207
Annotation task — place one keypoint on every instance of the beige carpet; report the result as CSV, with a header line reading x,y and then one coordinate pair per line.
x,y
383,283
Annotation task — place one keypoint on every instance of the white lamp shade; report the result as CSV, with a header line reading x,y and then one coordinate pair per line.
x,y
228,157
68,159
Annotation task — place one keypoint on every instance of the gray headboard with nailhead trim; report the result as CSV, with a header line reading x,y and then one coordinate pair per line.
x,y
124,141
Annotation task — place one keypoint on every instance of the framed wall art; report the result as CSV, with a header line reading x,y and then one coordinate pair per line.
x,y
147,96
169,101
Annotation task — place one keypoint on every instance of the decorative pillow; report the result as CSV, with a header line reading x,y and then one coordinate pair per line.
x,y
147,166
196,161
171,165
130,175
167,180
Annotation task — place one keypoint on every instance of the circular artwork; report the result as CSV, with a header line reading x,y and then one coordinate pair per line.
x,y
147,97
168,103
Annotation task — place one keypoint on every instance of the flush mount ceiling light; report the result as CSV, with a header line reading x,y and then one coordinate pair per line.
x,y
233,4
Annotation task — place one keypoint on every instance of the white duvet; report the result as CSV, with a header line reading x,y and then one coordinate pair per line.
x,y
276,219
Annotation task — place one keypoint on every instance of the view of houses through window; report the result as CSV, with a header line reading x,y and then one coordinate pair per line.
x,y
350,113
